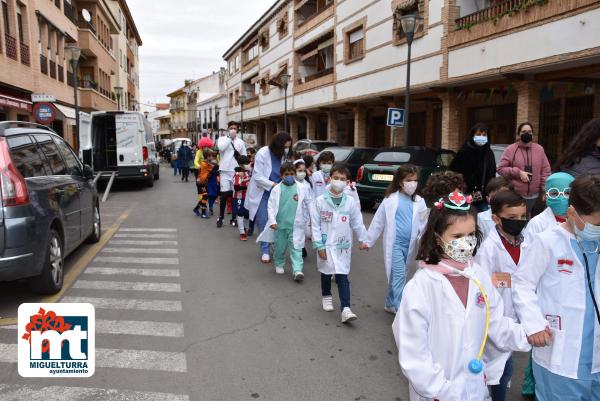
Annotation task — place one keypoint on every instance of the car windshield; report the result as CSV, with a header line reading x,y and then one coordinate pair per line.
x,y
340,154
392,157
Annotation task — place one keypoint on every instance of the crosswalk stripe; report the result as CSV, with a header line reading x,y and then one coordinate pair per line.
x,y
156,230
136,260
126,286
140,328
127,304
120,358
19,392
118,235
117,271
162,251
137,242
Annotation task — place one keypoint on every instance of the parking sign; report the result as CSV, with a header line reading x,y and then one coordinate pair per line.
x,y
395,117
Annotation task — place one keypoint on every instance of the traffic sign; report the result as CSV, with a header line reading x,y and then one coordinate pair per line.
x,y
44,113
395,117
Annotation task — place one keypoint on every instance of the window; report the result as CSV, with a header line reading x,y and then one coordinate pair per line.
x,y
250,88
20,23
50,150
316,59
406,8
354,41
5,17
26,157
230,99
263,39
308,9
282,25
251,52
237,97
73,166
237,62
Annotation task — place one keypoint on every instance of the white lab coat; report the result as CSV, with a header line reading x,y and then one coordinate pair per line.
x,y
227,161
319,182
385,221
337,224
544,287
485,222
539,224
437,337
259,182
304,204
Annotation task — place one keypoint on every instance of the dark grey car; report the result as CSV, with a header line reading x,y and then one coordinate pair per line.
x,y
49,205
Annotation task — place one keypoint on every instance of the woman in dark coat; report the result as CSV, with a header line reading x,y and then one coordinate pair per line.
x,y
475,161
582,156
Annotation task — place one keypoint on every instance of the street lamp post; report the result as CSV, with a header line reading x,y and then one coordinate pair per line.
x,y
242,100
118,93
410,23
72,52
285,81
216,119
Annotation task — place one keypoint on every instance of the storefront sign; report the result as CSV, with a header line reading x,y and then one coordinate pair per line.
x,y
15,103
44,113
40,97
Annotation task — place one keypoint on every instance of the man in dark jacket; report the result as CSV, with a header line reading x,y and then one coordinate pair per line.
x,y
185,156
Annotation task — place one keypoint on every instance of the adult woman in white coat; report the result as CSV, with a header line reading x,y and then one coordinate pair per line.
x,y
401,217
264,177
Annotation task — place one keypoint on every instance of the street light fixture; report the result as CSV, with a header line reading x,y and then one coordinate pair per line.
x,y
119,94
285,81
242,100
410,24
72,53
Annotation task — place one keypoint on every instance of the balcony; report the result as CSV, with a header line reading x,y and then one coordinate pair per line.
x,y
11,46
90,45
24,54
318,75
70,12
43,64
310,13
91,99
494,11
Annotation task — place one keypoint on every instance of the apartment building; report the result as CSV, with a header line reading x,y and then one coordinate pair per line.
x,y
179,113
496,61
211,102
33,36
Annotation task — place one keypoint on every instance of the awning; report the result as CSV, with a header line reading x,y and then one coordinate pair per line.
x,y
66,111
15,102
282,70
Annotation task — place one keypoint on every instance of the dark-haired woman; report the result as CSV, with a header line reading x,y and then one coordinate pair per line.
x,y
582,156
475,161
401,217
265,176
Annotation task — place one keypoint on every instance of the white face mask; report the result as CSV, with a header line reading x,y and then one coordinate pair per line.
x,y
338,185
301,175
232,133
246,166
326,168
460,249
409,187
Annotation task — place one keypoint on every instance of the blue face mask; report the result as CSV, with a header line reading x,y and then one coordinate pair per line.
x,y
289,180
480,140
590,232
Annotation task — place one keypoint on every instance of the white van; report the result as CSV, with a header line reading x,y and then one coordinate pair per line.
x,y
178,142
121,141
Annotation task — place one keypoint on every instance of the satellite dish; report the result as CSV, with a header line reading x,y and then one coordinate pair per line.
x,y
86,15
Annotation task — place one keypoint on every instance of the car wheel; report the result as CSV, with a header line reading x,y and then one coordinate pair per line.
x,y
97,227
157,175
50,280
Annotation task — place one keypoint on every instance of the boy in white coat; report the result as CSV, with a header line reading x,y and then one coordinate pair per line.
x,y
484,219
334,217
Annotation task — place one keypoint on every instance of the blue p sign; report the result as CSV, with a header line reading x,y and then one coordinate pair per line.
x,y
395,117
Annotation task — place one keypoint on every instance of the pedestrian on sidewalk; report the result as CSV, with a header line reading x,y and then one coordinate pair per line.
x,y
230,148
185,157
208,171
401,218
265,175
240,185
526,164
334,216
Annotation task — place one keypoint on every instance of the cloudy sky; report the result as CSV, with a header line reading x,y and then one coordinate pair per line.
x,y
184,39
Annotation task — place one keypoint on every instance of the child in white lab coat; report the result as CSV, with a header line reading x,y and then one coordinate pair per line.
x,y
320,178
554,294
401,217
334,216
484,219
500,254
440,326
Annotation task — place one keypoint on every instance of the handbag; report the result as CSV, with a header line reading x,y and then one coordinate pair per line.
x,y
236,154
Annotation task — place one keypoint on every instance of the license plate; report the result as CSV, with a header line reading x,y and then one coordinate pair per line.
x,y
383,177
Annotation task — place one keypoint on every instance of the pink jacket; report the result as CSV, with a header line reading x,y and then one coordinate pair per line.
x,y
513,161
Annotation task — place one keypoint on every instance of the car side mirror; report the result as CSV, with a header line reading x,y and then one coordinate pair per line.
x,y
88,173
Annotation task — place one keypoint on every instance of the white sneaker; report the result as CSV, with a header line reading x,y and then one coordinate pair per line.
x,y
298,276
348,316
266,258
328,304
390,309
279,270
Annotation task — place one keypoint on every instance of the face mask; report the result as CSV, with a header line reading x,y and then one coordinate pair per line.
x,y
512,226
289,180
480,140
590,232
326,168
460,249
338,185
409,187
301,175
527,137
232,133
558,206
286,150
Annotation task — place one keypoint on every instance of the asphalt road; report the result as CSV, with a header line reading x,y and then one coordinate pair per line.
x,y
185,311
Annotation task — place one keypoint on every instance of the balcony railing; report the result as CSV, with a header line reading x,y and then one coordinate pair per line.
x,y
61,73
86,25
69,11
43,64
11,46
52,69
24,54
496,10
318,75
87,84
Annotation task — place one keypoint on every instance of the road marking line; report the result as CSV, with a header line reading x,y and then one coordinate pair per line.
x,y
126,286
134,242
20,392
139,261
145,236
120,358
131,327
117,271
150,230
161,251
128,304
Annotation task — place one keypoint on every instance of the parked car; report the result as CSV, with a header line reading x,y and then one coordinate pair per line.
x,y
121,141
49,205
354,158
373,178
498,151
310,147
